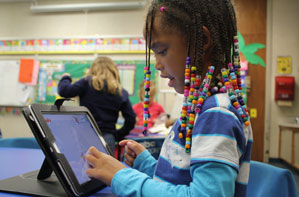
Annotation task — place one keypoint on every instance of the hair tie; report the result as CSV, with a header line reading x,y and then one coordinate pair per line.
x,y
162,8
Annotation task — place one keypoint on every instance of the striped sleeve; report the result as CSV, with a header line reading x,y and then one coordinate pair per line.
x,y
218,135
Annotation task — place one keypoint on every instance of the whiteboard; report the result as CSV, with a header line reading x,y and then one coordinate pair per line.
x,y
13,93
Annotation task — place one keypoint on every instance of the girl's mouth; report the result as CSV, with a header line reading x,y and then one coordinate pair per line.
x,y
171,82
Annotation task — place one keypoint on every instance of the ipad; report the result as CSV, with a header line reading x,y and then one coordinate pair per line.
x,y
65,134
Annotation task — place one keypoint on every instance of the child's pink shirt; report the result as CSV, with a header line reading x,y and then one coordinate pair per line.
x,y
155,109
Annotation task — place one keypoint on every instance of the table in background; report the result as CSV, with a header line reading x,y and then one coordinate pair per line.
x,y
294,128
16,161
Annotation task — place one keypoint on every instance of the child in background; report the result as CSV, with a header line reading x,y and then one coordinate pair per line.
x,y
101,92
155,109
207,152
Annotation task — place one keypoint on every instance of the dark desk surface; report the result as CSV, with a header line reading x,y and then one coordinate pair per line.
x,y
15,161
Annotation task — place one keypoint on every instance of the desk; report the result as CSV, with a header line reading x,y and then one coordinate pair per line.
x,y
294,128
15,161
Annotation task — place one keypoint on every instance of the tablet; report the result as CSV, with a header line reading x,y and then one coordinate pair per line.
x,y
65,133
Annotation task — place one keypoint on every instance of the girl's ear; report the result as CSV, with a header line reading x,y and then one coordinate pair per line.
x,y
207,39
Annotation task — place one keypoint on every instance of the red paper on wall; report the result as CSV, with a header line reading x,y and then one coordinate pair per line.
x,y
26,70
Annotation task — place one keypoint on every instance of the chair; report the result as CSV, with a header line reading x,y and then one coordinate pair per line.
x,y
266,180
19,142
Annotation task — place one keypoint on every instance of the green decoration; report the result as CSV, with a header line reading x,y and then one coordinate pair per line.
x,y
249,51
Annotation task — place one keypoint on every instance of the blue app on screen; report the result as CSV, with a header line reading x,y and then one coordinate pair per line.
x,y
74,135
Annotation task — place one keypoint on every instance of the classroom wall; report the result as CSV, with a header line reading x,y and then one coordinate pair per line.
x,y
19,22
282,40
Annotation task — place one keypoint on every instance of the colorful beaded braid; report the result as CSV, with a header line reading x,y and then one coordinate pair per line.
x,y
146,115
229,82
185,101
237,65
193,100
237,68
147,78
204,94
228,85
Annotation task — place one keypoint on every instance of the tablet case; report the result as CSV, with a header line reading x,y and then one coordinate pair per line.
x,y
28,184
45,183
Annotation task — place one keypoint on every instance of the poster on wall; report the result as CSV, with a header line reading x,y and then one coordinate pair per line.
x,y
127,77
284,65
13,92
47,84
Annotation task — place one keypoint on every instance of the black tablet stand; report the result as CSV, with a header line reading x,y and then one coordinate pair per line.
x,y
45,171
59,102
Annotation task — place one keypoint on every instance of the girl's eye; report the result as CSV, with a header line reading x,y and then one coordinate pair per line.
x,y
162,52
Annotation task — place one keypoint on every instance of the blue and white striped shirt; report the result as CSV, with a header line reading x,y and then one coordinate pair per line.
x,y
218,164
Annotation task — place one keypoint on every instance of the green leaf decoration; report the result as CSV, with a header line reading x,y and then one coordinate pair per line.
x,y
252,48
249,51
254,59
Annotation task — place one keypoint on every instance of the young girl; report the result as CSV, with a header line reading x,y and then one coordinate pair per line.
x,y
101,92
207,152
154,108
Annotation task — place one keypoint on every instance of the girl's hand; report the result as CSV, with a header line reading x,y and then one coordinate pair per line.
x,y
102,166
132,150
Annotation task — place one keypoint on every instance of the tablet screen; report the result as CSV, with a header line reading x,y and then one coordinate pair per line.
x,y
74,135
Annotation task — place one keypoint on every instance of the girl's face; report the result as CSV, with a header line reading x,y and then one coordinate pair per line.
x,y
170,50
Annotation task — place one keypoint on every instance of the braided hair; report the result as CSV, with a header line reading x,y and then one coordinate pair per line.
x,y
188,19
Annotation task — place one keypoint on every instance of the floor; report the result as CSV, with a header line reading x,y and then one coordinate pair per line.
x,y
281,164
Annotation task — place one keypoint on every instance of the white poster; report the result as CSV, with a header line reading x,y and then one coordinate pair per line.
x,y
13,93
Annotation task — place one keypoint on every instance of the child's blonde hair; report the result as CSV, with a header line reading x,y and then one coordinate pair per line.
x,y
103,69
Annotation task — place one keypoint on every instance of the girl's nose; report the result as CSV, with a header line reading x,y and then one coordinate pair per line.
x,y
158,65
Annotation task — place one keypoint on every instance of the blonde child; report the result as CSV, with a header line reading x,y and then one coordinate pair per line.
x,y
207,152
101,92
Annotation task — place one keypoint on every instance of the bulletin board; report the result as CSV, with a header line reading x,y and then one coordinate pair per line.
x,y
131,74
15,93
50,73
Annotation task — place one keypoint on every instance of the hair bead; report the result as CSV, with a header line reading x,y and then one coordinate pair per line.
x,y
162,8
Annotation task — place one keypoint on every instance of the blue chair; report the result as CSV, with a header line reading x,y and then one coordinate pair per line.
x,y
266,180
19,142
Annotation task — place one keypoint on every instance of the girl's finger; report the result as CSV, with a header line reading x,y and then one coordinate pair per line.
x,y
136,147
91,172
130,151
128,163
129,158
93,151
124,142
91,160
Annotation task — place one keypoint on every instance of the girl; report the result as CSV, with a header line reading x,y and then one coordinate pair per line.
x,y
207,152
101,92
155,109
